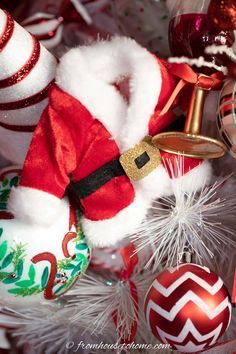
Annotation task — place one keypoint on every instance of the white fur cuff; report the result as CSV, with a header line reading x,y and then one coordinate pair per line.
x,y
195,179
34,206
108,232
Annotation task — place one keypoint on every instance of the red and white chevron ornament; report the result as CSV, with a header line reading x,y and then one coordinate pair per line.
x,y
188,307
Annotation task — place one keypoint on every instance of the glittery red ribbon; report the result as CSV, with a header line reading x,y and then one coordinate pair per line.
x,y
130,260
7,34
19,128
26,102
25,70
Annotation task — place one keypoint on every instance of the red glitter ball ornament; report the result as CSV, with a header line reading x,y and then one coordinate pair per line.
x,y
188,307
223,14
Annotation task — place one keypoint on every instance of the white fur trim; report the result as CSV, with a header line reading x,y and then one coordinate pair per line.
x,y
195,179
109,232
156,184
35,207
89,74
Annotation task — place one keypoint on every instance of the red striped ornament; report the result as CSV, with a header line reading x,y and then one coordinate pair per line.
x,y
48,28
188,307
226,118
23,72
27,73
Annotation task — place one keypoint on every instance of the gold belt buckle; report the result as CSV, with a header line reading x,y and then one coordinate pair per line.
x,y
141,160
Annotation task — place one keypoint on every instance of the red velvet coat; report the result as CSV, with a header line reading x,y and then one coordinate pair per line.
x,y
90,121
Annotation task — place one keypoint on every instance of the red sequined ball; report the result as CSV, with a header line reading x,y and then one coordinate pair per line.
x,y
223,14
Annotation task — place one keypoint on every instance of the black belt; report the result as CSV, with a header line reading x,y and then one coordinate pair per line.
x,y
90,184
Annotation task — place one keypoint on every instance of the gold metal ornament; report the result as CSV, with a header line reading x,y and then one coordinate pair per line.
x,y
190,142
141,160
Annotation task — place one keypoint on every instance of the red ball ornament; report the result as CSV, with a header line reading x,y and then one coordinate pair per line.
x,y
223,14
188,307
226,116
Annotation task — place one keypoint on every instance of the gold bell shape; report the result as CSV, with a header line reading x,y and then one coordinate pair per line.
x,y
190,142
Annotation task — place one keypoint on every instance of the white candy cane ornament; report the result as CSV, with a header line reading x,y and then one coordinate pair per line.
x,y
27,71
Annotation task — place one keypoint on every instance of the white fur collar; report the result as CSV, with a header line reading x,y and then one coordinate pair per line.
x,y
89,72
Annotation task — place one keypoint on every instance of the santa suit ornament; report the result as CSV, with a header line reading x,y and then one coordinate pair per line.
x,y
106,99
27,72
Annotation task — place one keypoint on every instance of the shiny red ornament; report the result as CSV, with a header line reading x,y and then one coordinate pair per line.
x,y
223,14
226,116
188,307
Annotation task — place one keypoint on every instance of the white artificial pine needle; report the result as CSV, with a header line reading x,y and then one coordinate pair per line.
x,y
194,220
96,300
48,329
43,329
